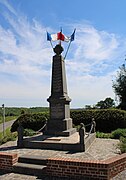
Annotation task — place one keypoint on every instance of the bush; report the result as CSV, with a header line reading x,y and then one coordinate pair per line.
x,y
107,120
118,133
122,145
103,135
29,132
30,121
8,137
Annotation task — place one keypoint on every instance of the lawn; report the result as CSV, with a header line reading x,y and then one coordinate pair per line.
x,y
7,118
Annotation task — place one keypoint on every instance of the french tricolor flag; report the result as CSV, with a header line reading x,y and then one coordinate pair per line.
x,y
60,36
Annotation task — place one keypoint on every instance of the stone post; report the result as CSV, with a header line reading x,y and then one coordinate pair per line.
x,y
82,137
20,131
93,123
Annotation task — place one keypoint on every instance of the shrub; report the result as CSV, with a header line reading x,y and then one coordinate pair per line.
x,y
29,132
30,121
122,145
103,135
8,136
107,120
119,133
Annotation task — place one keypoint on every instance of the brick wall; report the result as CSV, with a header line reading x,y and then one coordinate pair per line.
x,y
74,168
116,164
77,169
7,160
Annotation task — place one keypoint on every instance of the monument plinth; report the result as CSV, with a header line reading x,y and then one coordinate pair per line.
x,y
60,122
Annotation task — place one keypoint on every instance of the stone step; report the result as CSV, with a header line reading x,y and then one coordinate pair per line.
x,y
52,145
29,169
59,145
38,160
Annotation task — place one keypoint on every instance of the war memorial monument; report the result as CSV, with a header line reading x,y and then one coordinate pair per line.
x,y
58,152
60,122
59,132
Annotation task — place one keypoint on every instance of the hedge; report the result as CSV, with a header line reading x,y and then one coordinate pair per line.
x,y
107,120
30,121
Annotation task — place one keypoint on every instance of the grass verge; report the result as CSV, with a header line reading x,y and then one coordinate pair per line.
x,y
7,118
8,136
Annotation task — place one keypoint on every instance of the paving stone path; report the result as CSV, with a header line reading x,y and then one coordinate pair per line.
x,y
101,149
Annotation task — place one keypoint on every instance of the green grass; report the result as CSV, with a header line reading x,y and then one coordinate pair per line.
x,y
122,145
103,135
29,132
7,118
8,136
117,134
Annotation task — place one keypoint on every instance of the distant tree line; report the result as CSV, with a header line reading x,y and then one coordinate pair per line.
x,y
17,111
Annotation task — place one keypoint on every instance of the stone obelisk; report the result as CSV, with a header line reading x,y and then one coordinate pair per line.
x,y
60,122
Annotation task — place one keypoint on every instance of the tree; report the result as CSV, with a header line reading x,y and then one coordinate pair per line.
x,y
88,107
119,86
105,104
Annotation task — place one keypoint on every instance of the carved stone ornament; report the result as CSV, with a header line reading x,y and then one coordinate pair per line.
x,y
58,49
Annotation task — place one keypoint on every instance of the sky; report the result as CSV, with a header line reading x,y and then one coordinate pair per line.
x,y
93,59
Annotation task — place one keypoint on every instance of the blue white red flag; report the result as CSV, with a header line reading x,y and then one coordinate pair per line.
x,y
73,35
60,36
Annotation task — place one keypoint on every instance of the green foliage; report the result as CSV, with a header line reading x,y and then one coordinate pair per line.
x,y
7,118
38,109
77,127
105,104
8,136
107,120
29,132
122,144
118,133
31,121
103,135
14,111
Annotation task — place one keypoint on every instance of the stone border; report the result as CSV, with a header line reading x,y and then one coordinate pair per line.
x,y
95,169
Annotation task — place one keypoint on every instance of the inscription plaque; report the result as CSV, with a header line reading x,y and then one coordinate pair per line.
x,y
57,111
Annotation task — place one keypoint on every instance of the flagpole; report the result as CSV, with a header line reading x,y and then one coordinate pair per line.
x,y
51,44
60,36
3,108
71,39
67,50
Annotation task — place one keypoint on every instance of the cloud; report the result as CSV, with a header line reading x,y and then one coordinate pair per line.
x,y
8,6
94,44
23,48
94,50
25,61
88,90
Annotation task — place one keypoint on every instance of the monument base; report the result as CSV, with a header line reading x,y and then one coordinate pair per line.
x,y
70,143
59,127
66,133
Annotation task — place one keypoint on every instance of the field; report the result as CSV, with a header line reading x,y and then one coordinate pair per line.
x,y
13,112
